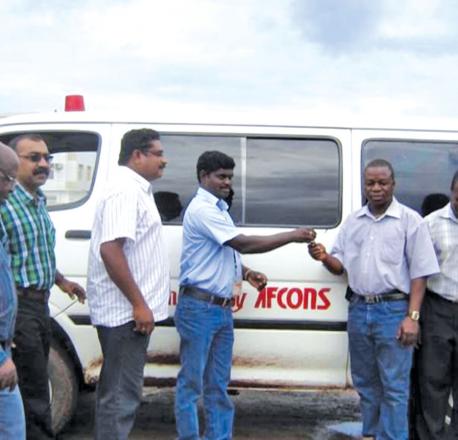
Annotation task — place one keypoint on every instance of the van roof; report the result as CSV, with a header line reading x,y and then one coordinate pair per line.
x,y
225,119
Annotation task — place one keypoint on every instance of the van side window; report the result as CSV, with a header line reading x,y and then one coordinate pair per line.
x,y
73,166
423,169
277,182
292,182
175,189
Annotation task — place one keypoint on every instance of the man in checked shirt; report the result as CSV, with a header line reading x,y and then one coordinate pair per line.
x,y
31,238
437,366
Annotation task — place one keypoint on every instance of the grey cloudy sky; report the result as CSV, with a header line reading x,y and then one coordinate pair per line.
x,y
291,59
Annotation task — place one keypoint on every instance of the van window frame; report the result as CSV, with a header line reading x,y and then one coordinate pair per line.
x,y
41,132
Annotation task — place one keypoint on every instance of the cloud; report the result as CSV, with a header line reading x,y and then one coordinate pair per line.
x,y
337,25
361,26
285,60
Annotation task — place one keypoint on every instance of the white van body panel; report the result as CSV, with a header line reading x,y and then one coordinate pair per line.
x,y
290,335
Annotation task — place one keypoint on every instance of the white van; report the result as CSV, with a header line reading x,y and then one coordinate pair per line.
x,y
292,334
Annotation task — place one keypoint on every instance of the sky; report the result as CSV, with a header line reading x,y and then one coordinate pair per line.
x,y
291,60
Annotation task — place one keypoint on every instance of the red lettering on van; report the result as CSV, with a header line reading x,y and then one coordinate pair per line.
x,y
293,298
173,298
281,292
239,301
325,303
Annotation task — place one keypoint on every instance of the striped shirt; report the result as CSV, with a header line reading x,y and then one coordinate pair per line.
x,y
31,239
128,210
443,227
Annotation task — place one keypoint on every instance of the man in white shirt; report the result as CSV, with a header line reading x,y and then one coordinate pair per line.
x,y
128,280
437,367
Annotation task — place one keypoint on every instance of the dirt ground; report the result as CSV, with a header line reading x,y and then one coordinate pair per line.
x,y
260,414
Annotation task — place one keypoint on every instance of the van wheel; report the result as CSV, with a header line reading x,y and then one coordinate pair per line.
x,y
63,387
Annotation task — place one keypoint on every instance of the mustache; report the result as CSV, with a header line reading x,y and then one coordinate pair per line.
x,y
41,170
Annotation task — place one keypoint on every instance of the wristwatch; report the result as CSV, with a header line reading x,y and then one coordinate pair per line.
x,y
414,315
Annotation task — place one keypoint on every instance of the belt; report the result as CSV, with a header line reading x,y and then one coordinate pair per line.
x,y
196,293
31,293
436,295
373,299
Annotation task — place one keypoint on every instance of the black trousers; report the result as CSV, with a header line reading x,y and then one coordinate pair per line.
x,y
437,369
32,339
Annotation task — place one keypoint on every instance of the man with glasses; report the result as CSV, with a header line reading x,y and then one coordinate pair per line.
x,y
12,422
31,237
128,280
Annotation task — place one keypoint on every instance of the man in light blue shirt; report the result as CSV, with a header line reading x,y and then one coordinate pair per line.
x,y
437,366
211,275
386,251
12,419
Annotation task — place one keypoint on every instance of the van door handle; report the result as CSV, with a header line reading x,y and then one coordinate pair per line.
x,y
78,234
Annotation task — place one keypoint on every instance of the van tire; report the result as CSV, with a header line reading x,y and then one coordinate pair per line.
x,y
63,387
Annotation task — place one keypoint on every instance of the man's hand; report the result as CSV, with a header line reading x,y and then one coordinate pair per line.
x,y
144,319
317,251
305,235
408,332
256,279
8,375
72,289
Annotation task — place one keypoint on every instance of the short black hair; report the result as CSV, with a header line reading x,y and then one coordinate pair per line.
x,y
13,143
433,202
212,161
139,139
376,163
454,180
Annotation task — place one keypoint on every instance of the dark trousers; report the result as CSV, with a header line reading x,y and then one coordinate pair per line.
x,y
32,339
119,389
437,369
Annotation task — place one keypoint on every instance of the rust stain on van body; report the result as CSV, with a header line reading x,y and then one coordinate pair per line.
x,y
91,373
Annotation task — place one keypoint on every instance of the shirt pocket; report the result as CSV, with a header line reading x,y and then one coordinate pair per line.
x,y
392,247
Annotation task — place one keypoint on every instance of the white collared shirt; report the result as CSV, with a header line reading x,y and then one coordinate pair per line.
x,y
128,210
443,227
385,253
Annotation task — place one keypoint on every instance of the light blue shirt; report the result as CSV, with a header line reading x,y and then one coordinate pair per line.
x,y
8,303
443,227
206,262
385,253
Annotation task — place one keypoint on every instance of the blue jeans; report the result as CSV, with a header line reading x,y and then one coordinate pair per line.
x,y
380,367
12,419
207,336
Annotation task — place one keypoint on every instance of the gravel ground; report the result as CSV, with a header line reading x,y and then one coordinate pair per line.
x,y
260,414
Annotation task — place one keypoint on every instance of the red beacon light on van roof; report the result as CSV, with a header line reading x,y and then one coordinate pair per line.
x,y
74,103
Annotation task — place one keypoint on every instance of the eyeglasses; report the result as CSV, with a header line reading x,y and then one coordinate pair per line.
x,y
36,157
7,178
